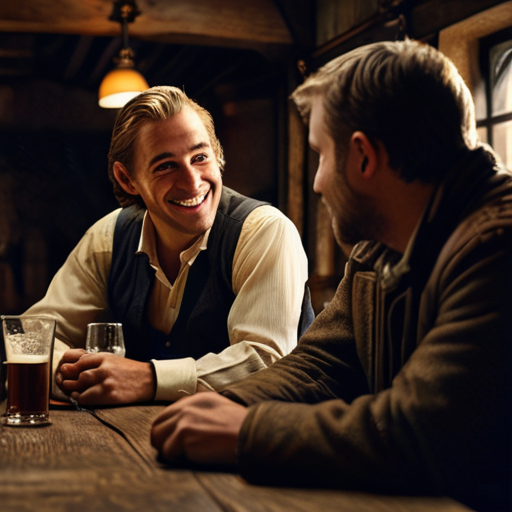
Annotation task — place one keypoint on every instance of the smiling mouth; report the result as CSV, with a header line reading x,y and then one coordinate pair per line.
x,y
190,203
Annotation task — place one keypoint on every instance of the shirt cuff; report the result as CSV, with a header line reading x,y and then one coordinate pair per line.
x,y
175,378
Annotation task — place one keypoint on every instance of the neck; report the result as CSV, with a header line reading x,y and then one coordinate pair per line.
x,y
403,213
169,245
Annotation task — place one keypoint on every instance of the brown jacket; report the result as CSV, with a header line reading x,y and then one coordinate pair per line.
x,y
402,384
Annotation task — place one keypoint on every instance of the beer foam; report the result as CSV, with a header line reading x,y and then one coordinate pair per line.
x,y
27,359
26,344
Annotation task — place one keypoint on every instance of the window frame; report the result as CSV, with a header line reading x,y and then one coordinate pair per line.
x,y
486,43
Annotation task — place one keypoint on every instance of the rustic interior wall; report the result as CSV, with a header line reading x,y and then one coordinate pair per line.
x,y
460,42
335,18
53,183
248,132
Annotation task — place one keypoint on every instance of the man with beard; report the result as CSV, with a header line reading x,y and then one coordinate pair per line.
x,y
200,276
402,384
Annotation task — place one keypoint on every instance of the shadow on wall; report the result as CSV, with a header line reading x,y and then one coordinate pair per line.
x,y
53,186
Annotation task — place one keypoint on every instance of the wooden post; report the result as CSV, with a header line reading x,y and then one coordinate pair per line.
x,y
325,265
296,168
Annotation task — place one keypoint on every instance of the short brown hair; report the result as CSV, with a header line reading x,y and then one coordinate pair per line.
x,y
155,104
407,95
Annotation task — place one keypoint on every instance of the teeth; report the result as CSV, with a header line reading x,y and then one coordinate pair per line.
x,y
190,202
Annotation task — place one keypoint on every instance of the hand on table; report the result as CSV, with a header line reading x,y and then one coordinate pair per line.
x,y
104,379
203,427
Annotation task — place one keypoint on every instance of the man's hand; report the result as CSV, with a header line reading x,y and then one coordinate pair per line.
x,y
104,379
71,356
203,427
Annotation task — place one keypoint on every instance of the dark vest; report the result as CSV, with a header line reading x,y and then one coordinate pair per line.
x,y
201,326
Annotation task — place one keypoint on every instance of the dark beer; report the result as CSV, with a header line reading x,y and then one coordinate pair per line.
x,y
28,388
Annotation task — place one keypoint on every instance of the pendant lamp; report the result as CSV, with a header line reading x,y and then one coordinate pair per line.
x,y
124,82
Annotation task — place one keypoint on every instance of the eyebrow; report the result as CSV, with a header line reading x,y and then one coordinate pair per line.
x,y
167,154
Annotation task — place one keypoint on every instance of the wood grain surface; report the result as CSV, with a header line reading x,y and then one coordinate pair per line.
x,y
103,462
79,464
236,495
135,424
219,22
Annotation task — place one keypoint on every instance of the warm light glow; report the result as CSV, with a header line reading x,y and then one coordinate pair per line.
x,y
120,86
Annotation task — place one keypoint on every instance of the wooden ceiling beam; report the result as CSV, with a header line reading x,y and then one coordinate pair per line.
x,y
233,23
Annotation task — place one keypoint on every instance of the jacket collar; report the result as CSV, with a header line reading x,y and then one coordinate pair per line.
x,y
464,188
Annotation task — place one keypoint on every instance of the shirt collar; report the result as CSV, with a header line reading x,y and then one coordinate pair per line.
x,y
147,244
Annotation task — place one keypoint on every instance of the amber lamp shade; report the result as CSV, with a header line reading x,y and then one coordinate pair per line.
x,y
121,85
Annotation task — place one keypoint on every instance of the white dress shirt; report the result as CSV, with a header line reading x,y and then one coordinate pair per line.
x,y
269,273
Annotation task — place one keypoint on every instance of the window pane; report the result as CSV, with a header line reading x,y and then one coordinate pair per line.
x,y
501,78
480,99
482,134
502,142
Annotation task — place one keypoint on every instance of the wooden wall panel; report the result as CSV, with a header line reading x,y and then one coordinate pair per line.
x,y
431,16
335,17
460,41
325,245
247,131
296,168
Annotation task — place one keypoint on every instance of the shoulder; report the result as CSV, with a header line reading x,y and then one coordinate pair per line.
x,y
267,217
106,224
267,230
482,242
133,214
491,222
236,206
99,236
128,228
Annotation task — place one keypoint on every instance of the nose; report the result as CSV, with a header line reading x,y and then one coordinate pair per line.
x,y
317,184
190,179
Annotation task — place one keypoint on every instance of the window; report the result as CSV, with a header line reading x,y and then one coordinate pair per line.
x,y
495,125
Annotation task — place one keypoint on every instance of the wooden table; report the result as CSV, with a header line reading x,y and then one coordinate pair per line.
x,y
103,462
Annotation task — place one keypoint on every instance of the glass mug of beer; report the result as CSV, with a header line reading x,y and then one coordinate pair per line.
x,y
28,349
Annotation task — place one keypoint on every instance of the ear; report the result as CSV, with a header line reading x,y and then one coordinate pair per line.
x,y
365,153
124,179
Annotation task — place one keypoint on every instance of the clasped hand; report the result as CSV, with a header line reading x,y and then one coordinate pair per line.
x,y
104,379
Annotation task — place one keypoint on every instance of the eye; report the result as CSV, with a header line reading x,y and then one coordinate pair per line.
x,y
166,166
200,158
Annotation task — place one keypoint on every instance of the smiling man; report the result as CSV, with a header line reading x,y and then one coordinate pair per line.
x,y
208,284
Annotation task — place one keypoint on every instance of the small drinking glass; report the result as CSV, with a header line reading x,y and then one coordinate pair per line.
x,y
105,337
